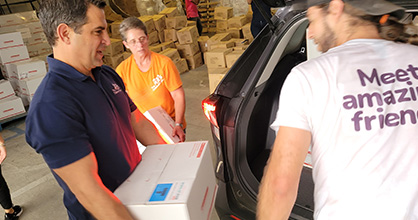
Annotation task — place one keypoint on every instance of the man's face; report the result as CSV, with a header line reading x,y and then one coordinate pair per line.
x,y
137,41
319,30
92,40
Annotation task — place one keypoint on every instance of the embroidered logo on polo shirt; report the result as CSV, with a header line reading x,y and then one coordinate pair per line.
x,y
116,89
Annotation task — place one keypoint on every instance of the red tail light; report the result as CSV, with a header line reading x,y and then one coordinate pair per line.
x,y
209,107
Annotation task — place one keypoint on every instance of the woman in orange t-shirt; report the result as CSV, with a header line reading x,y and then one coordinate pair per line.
x,y
151,79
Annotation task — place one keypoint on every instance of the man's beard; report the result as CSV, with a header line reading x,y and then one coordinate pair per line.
x,y
327,39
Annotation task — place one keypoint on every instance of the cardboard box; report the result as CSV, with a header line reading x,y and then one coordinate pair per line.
x,y
169,12
237,21
235,32
18,18
215,77
10,40
159,22
194,61
155,48
36,39
11,107
188,49
246,31
170,35
115,47
218,38
176,22
203,43
222,44
172,53
126,55
216,57
222,25
39,49
114,28
6,89
111,15
113,61
182,66
223,13
169,44
28,86
175,181
163,122
27,69
187,35
191,23
12,55
161,36
232,57
153,37
149,23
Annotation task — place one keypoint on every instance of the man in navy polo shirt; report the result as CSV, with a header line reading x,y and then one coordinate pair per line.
x,y
81,120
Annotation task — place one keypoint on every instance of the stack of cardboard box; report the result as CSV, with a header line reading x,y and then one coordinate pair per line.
x,y
28,25
235,25
222,52
114,53
188,46
22,75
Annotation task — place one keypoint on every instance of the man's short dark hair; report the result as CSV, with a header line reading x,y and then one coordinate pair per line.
x,y
71,12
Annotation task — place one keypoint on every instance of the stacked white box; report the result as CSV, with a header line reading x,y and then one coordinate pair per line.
x,y
6,89
18,18
12,55
27,88
10,40
11,107
175,181
27,69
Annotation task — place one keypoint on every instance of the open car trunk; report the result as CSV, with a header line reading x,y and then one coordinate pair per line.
x,y
254,136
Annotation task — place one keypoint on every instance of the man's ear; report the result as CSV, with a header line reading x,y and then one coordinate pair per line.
x,y
63,33
336,8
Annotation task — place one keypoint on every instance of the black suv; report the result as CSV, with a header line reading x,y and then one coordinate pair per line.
x,y
245,103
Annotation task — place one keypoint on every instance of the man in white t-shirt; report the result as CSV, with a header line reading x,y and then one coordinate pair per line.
x,y
356,104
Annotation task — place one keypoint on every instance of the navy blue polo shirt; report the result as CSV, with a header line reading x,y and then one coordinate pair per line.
x,y
71,115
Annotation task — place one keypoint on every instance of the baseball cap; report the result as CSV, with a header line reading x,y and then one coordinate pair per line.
x,y
370,7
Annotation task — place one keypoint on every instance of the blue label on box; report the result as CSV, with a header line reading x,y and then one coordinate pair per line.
x,y
160,192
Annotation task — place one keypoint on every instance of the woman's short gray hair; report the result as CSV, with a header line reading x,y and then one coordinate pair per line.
x,y
129,24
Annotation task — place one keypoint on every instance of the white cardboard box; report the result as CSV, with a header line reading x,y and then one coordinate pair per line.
x,y
10,40
164,123
11,107
27,69
6,89
12,55
175,181
28,86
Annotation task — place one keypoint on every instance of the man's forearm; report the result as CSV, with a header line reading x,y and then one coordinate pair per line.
x,y
145,131
83,180
275,199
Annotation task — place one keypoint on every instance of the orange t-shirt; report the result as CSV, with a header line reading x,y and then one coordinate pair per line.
x,y
152,88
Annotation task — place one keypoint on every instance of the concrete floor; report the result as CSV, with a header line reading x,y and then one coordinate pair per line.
x,y
31,182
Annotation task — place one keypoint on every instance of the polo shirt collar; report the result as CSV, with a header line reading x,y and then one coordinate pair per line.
x,y
66,70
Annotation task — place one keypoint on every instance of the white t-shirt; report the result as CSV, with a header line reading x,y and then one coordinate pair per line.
x,y
360,103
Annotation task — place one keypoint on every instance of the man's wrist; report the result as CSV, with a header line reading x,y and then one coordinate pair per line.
x,y
179,124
